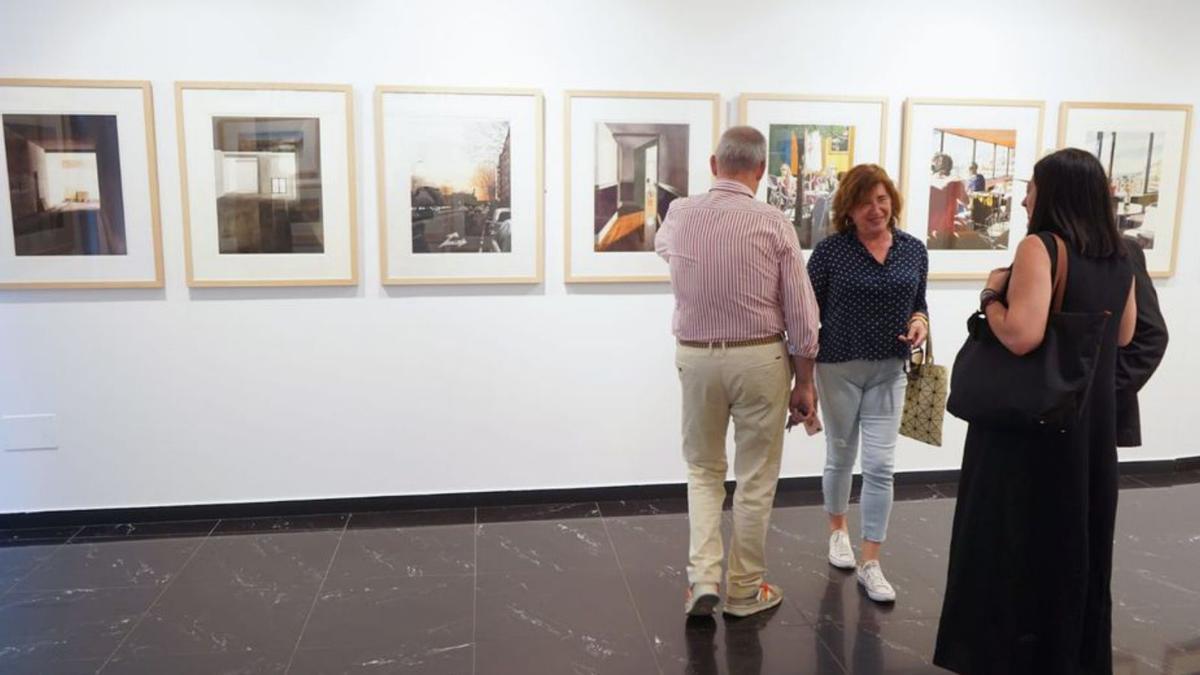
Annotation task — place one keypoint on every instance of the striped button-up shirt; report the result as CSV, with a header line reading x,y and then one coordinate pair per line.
x,y
737,270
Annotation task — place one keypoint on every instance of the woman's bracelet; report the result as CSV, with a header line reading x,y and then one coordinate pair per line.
x,y
919,317
986,297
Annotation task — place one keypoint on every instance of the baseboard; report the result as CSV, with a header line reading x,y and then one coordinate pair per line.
x,y
467,500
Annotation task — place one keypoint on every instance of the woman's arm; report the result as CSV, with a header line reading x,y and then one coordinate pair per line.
x,y
1128,317
1021,325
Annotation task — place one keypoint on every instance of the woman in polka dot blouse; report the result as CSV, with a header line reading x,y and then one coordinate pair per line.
x,y
869,279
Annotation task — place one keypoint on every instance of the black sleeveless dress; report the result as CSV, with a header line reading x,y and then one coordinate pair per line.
x,y
1031,554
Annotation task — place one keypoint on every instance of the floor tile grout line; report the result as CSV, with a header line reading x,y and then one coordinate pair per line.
x,y
166,587
475,589
825,644
317,597
17,582
629,589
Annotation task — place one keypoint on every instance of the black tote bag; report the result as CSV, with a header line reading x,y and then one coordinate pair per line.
x,y
1042,390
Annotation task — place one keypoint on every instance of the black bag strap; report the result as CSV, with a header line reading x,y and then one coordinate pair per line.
x,y
1059,264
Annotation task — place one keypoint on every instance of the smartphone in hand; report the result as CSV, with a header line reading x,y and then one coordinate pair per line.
x,y
812,425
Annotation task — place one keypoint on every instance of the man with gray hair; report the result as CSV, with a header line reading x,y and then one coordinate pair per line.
x,y
746,324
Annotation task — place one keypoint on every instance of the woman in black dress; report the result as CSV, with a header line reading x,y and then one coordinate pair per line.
x,y
1031,555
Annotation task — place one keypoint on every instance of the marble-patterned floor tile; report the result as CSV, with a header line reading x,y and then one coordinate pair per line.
x,y
868,646
544,545
537,512
240,595
282,559
397,658
111,564
755,645
797,559
38,665
564,622
18,561
643,507
172,529
72,625
653,544
1163,639
153,662
419,617
385,553
269,524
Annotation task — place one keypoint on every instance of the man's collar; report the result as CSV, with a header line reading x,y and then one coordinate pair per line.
x,y
732,186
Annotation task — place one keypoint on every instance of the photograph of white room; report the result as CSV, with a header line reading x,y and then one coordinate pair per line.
x,y
629,155
268,184
78,185
640,170
1143,148
965,167
461,186
970,188
64,184
268,175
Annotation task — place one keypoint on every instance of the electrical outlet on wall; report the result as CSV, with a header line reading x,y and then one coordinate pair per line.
x,y
28,432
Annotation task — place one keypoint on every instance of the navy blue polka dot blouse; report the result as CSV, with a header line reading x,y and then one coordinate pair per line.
x,y
866,305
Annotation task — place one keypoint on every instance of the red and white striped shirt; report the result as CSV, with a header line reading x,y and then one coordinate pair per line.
x,y
737,270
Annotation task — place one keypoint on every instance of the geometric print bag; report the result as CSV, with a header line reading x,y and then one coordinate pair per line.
x,y
925,397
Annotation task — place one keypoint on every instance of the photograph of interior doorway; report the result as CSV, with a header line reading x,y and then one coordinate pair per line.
x,y
268,172
640,170
64,185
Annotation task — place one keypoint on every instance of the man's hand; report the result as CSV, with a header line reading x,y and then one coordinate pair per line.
x,y
802,405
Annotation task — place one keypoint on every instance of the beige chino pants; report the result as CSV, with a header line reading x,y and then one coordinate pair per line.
x,y
751,386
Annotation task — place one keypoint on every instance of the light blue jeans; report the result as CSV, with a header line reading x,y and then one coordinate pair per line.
x,y
861,398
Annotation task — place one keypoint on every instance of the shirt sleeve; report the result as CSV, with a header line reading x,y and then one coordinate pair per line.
x,y
800,313
662,238
818,275
919,303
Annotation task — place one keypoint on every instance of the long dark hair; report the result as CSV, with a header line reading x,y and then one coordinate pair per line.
x,y
1073,201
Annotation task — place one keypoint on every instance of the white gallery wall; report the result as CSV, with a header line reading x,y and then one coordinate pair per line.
x,y
184,396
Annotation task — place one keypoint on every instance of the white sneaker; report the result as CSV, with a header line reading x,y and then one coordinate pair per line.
x,y
870,575
701,599
841,555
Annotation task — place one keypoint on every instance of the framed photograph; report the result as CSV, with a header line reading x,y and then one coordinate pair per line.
x,y
79,204
965,166
268,183
460,174
1143,147
628,156
811,142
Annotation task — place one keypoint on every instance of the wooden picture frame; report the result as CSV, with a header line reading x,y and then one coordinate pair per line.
x,y
134,257
967,240
523,171
700,112
1165,127
331,105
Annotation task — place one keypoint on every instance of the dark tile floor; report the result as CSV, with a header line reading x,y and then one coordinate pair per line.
x,y
574,589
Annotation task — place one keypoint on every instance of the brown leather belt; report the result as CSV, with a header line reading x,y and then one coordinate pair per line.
x,y
727,344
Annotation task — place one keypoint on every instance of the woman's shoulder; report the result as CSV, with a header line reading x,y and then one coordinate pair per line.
x,y
908,239
830,243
